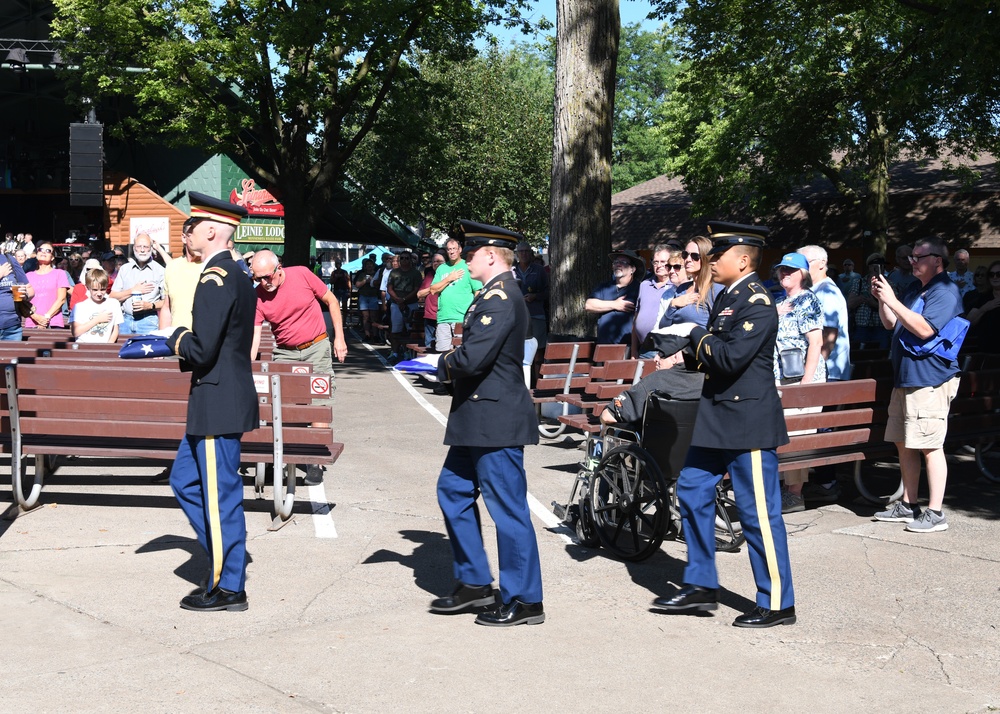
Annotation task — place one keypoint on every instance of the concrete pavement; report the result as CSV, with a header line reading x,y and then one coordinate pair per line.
x,y
89,585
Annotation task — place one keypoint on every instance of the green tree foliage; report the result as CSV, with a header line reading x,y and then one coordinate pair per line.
x,y
647,72
290,88
778,91
477,144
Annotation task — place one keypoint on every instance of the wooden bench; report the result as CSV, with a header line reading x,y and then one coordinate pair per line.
x,y
974,419
606,382
834,437
565,369
54,407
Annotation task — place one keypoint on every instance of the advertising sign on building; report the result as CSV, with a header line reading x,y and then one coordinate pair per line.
x,y
257,201
260,233
156,227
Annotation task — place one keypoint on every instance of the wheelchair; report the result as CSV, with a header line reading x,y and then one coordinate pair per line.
x,y
624,495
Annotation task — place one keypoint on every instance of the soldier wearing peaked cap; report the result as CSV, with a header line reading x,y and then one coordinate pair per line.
x,y
738,429
491,420
222,405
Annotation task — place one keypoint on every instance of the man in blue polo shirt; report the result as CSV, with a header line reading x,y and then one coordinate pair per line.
x,y
924,386
615,300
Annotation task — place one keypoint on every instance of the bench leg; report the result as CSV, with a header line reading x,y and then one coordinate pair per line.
x,y
284,495
259,480
546,428
869,491
27,489
986,453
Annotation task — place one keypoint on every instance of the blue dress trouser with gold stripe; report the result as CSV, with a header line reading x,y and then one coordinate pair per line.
x,y
205,479
499,474
758,497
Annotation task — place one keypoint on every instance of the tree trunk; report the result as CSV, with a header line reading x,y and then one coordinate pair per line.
x,y
587,54
303,209
876,204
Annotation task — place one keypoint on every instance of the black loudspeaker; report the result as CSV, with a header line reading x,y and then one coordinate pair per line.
x,y
86,164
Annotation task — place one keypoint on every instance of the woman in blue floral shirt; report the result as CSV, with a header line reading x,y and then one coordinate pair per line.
x,y
800,327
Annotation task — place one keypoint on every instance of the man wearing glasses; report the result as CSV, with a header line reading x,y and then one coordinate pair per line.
x,y
287,298
652,291
138,286
924,386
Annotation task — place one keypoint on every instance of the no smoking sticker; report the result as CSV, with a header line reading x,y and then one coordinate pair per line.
x,y
300,369
319,385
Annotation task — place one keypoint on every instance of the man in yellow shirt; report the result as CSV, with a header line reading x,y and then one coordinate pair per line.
x,y
179,282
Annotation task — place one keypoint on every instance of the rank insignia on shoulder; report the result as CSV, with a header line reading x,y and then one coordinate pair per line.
x,y
760,297
210,277
486,320
747,326
217,269
495,291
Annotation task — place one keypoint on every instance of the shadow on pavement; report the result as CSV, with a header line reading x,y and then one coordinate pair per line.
x,y
430,560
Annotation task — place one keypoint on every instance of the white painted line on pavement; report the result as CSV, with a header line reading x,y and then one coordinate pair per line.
x,y
544,515
321,517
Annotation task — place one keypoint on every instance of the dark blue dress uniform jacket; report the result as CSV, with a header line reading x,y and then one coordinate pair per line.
x,y
491,406
740,408
217,351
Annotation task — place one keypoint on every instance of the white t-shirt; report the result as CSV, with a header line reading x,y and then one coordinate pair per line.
x,y
85,310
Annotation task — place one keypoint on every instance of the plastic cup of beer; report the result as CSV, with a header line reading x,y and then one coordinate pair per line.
x,y
18,292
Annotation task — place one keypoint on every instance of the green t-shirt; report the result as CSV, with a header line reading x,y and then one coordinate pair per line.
x,y
455,299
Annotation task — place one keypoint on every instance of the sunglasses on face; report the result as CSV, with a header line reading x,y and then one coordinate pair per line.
x,y
994,274
44,250
693,256
675,268
918,258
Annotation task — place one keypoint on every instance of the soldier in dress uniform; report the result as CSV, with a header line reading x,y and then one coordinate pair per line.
x,y
222,405
738,429
491,420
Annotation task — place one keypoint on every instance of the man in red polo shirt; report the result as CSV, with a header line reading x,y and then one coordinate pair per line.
x,y
287,300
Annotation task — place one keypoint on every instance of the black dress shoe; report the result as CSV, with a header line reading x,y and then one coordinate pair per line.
x,y
762,617
217,599
466,598
514,613
690,598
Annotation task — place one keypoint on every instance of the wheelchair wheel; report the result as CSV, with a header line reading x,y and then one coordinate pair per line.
x,y
586,530
627,503
728,529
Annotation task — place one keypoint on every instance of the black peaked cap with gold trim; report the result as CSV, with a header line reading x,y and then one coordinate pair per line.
x,y
215,209
725,235
482,234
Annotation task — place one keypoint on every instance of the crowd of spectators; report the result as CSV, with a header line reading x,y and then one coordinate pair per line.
x,y
823,314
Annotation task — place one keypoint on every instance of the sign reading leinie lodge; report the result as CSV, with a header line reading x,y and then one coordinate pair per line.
x,y
260,233
258,201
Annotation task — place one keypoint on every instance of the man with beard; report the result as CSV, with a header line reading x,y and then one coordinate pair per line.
x,y
139,288
615,300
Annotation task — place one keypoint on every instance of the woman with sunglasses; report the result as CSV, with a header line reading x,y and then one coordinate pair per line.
x,y
693,299
51,286
800,334
984,318
653,290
